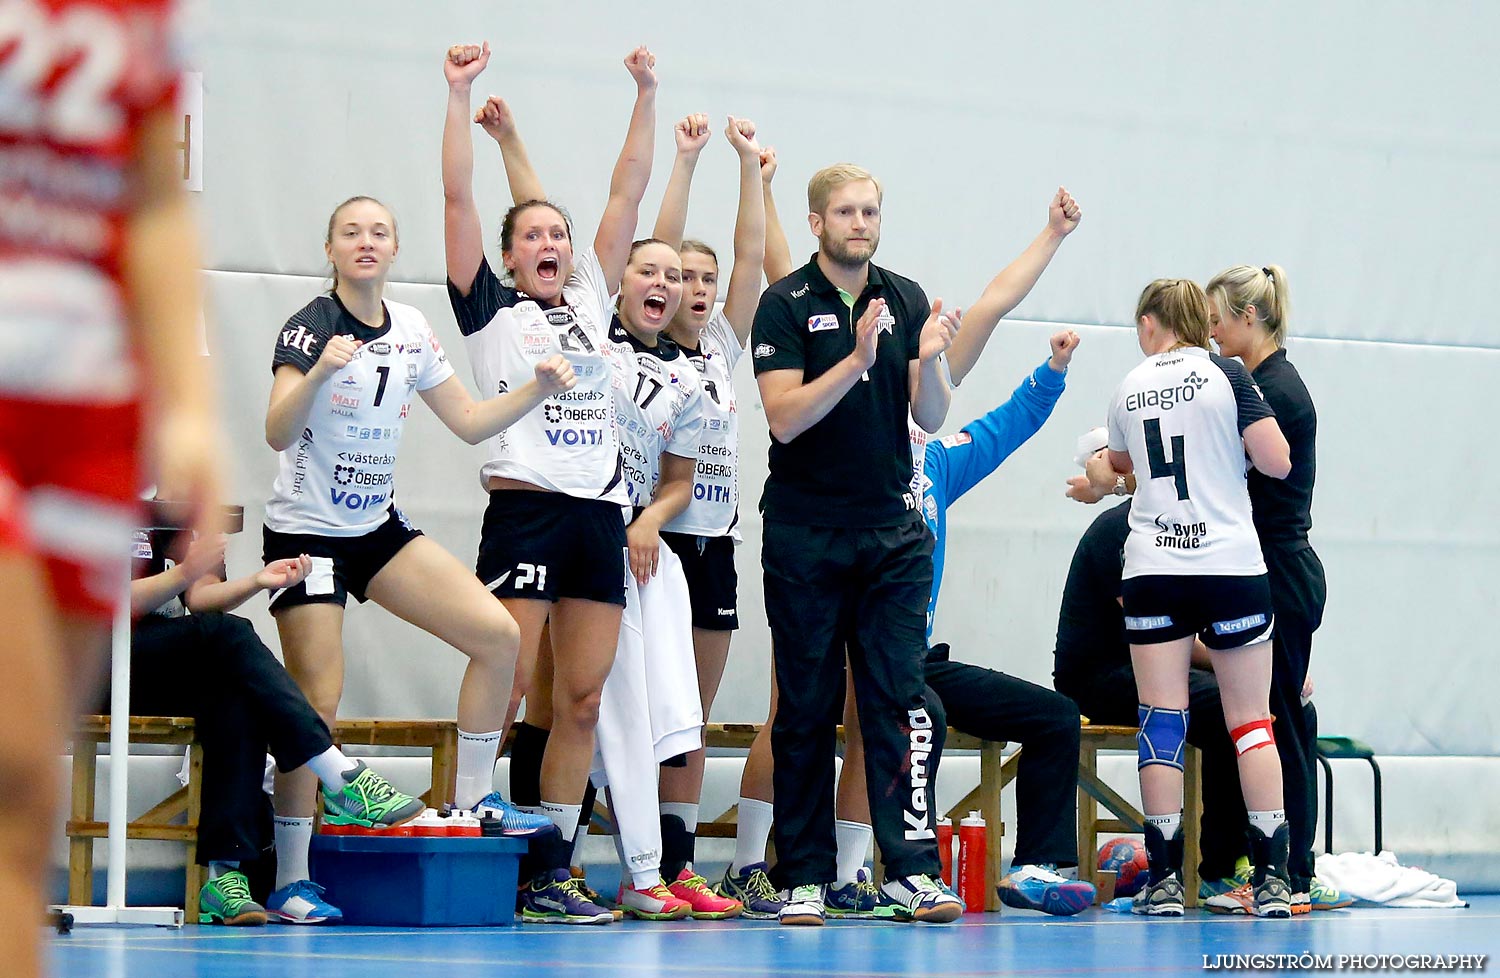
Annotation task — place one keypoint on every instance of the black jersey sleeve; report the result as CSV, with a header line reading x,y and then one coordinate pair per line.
x,y
1249,404
302,338
487,296
775,341
917,309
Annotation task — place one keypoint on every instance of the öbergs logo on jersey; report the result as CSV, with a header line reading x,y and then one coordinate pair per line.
x,y
1166,398
560,317
817,324
379,348
347,474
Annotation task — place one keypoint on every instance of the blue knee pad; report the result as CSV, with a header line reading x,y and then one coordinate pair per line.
x,y
1162,735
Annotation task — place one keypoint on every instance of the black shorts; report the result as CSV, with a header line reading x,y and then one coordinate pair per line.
x,y
342,566
1225,612
549,545
713,583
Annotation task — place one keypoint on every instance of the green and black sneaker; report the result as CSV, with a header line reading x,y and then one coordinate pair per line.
x,y
368,800
226,900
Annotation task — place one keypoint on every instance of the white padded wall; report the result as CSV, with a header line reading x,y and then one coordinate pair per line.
x,y
1348,141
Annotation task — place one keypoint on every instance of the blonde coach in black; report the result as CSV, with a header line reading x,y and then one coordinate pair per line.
x,y
843,350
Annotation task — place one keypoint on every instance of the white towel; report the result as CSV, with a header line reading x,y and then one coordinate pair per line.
x,y
1381,879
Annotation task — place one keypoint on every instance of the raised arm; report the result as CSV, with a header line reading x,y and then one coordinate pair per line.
x,y
792,405
930,393
691,135
463,232
495,118
743,293
1007,289
474,421
627,185
778,255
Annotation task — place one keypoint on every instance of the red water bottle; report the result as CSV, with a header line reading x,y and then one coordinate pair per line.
x,y
971,846
945,848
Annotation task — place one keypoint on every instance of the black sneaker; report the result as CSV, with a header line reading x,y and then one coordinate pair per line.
x,y
1159,899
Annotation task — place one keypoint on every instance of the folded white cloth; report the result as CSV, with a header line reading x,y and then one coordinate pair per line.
x,y
1381,879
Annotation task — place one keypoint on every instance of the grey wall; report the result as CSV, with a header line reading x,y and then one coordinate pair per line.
x,y
1349,142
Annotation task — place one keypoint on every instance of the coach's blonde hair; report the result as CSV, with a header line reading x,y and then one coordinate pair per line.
x,y
828,179
1236,289
1180,306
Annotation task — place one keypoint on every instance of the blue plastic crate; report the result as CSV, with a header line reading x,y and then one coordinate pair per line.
x,y
419,882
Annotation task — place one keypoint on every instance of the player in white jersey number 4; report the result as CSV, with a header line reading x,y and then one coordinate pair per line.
x,y
1183,421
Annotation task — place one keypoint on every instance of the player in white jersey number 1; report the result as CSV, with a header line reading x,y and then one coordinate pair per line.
x,y
346,367
1183,422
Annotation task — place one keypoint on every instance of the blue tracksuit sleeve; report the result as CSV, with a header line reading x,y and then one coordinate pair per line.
x,y
968,457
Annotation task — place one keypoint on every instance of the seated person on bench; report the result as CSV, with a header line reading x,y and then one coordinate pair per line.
x,y
190,658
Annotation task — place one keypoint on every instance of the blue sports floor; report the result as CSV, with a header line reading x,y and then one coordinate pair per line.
x,y
1013,943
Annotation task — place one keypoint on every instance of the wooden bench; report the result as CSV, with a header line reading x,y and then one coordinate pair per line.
x,y
994,774
1092,792
162,823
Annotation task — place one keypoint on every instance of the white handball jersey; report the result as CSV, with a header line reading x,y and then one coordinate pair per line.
x,y
570,443
336,480
1180,416
715,508
660,408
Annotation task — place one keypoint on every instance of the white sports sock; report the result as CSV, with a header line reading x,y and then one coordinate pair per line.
x,y
1266,823
476,766
853,843
565,817
752,833
218,867
1168,824
330,766
293,836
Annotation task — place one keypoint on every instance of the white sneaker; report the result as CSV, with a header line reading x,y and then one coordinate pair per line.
x,y
804,906
922,898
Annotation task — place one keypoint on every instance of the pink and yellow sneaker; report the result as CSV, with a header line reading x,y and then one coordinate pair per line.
x,y
706,904
652,903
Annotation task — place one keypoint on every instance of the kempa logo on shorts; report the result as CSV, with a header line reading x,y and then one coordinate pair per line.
x,y
1146,624
918,826
1239,624
1167,397
817,324
763,350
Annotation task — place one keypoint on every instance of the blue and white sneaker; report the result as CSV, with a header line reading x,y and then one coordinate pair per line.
x,y
861,900
752,887
513,821
560,899
921,898
1039,887
302,903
